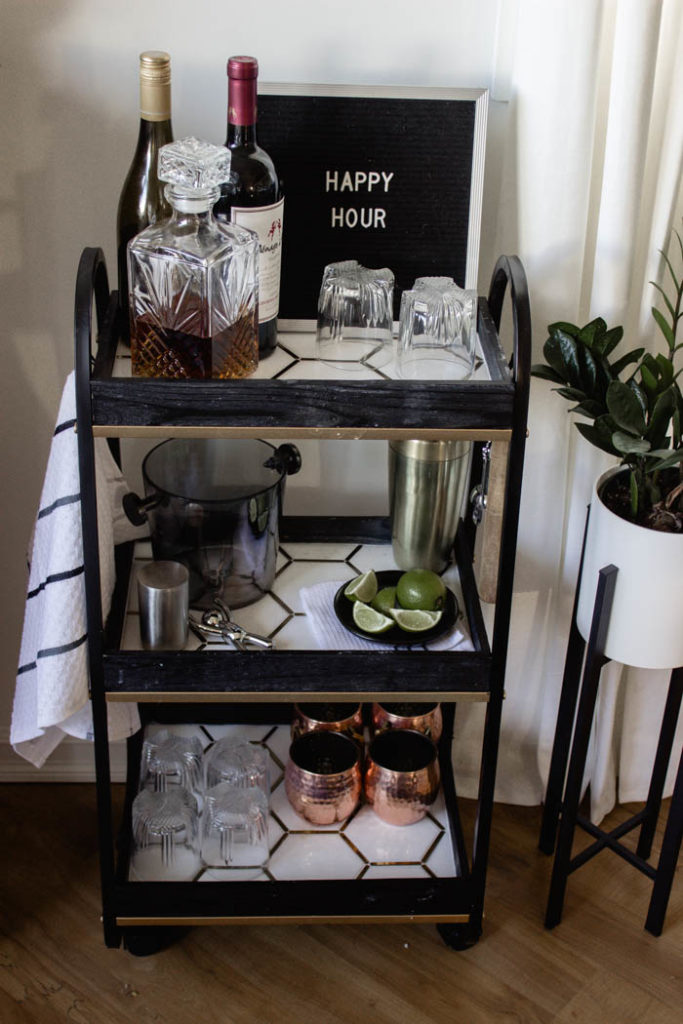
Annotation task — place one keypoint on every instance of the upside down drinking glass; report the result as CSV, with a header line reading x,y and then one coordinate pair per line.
x,y
234,827
437,330
240,763
170,761
165,836
355,316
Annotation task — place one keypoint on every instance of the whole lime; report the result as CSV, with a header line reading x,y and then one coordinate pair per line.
x,y
421,589
384,600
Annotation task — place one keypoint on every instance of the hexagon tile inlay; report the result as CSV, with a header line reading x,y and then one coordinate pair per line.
x,y
280,613
362,847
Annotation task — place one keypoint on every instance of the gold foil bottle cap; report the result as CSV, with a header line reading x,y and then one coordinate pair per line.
x,y
155,65
155,85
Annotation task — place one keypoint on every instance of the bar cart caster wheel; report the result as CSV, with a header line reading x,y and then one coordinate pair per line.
x,y
146,941
457,936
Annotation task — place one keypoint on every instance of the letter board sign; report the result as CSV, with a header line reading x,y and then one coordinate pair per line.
x,y
391,177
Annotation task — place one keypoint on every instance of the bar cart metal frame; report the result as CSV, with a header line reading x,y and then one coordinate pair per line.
x,y
194,686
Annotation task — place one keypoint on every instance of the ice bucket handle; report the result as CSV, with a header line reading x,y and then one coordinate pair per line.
x,y
286,459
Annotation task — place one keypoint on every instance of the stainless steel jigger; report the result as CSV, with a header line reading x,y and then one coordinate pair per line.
x,y
163,600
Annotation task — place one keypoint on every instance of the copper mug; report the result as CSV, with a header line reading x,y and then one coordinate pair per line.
x,y
323,776
401,775
332,717
426,718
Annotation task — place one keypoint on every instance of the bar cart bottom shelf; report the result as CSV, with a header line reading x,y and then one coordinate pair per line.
x,y
360,870
361,847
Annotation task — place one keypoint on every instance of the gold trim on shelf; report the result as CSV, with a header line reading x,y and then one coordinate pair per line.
x,y
320,433
191,922
271,697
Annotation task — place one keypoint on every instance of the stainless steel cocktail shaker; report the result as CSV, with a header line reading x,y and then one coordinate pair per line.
x,y
427,485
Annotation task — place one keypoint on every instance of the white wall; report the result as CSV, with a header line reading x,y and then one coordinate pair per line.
x,y
68,121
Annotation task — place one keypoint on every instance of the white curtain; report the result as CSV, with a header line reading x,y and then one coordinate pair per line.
x,y
591,188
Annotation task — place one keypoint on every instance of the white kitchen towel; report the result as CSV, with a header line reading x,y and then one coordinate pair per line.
x,y
330,634
51,697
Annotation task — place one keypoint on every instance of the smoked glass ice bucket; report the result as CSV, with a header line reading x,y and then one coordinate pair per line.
x,y
214,504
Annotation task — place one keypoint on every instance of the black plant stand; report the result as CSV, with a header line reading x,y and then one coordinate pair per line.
x,y
565,809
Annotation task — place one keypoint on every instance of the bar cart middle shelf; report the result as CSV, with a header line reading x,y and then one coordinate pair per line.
x,y
213,688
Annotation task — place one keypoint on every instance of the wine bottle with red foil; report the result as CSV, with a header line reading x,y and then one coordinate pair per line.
x,y
253,196
142,201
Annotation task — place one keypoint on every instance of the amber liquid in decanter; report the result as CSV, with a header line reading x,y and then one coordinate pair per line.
x,y
163,352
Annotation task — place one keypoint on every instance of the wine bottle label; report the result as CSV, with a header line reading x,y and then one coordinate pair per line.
x,y
267,222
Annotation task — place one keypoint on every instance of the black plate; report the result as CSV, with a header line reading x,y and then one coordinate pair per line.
x,y
389,578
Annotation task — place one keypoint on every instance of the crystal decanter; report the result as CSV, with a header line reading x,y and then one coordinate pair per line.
x,y
193,279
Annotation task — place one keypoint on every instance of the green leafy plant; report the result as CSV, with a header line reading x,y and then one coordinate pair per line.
x,y
633,402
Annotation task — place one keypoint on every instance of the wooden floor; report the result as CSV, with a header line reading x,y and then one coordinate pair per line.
x,y
598,965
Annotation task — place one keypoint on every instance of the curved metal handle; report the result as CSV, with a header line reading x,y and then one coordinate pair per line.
x,y
509,271
92,282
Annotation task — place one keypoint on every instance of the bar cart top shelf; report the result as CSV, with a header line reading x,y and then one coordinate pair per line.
x,y
293,394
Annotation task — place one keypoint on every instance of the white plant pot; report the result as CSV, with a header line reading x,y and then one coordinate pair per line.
x,y
646,624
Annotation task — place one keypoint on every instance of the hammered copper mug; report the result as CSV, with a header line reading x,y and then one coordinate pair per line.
x,y
333,717
323,776
426,718
401,775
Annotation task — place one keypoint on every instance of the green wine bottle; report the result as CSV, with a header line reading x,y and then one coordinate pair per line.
x,y
142,201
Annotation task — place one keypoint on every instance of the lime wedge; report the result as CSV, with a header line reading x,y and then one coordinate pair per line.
x,y
415,621
370,621
363,588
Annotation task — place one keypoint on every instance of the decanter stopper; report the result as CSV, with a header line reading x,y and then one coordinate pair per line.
x,y
194,170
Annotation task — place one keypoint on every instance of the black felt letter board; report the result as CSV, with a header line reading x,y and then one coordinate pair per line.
x,y
383,180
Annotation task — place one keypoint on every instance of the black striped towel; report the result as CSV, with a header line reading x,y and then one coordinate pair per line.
x,y
51,695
